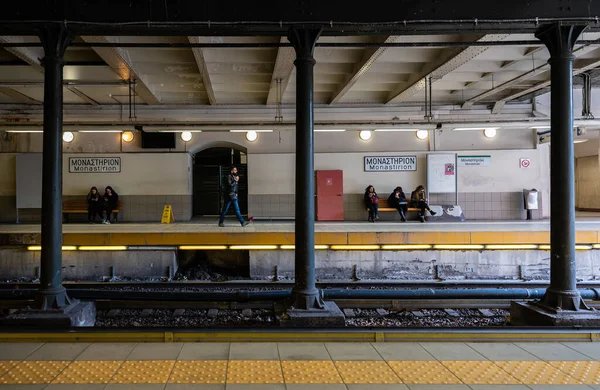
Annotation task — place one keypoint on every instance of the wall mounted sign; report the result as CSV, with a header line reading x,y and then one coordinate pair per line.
x,y
524,163
449,169
94,164
474,161
390,163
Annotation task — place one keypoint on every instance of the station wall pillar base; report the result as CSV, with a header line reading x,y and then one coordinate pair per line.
x,y
76,314
538,314
330,316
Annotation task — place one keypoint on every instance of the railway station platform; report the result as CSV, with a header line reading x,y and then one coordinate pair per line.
x,y
490,250
207,232
300,366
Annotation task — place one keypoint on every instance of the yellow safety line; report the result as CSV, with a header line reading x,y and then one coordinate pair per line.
x,y
225,336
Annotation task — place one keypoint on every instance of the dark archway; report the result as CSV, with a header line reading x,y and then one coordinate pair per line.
x,y
211,167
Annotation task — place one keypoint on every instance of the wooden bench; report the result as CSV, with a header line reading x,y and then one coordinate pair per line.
x,y
384,206
81,207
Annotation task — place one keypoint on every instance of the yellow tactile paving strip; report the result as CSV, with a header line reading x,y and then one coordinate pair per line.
x,y
310,372
254,371
537,373
147,371
423,372
6,365
199,372
300,372
33,372
88,372
480,372
586,372
367,372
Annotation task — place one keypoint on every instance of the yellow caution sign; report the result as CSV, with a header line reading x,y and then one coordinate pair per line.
x,y
167,215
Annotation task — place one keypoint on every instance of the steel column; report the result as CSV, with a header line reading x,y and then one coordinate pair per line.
x,y
305,295
52,295
562,293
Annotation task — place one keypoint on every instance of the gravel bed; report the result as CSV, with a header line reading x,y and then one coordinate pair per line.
x,y
363,318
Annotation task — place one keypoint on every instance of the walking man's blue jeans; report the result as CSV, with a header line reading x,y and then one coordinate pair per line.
x,y
236,208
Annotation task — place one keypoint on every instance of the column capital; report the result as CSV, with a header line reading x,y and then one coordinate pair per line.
x,y
560,38
55,40
304,40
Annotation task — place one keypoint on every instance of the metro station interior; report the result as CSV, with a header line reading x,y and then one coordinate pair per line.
x,y
177,112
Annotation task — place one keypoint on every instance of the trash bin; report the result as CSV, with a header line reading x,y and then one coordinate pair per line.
x,y
530,201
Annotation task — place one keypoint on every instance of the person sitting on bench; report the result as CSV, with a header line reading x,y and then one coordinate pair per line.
x,y
397,200
419,200
372,202
94,204
111,202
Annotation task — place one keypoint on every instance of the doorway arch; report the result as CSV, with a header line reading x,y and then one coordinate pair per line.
x,y
211,166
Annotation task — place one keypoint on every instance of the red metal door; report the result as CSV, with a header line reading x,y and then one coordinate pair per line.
x,y
329,195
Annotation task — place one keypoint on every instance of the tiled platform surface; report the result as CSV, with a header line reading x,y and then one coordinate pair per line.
x,y
300,366
207,225
281,233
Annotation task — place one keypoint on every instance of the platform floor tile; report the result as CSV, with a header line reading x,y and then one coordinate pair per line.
x,y
303,351
479,372
366,372
199,371
253,351
33,372
58,351
107,351
204,351
17,351
155,351
587,372
310,372
452,351
423,372
90,372
586,348
438,387
254,372
352,351
502,351
402,351
552,351
536,373
143,372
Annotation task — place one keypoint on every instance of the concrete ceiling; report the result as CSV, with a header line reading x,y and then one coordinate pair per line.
x,y
490,75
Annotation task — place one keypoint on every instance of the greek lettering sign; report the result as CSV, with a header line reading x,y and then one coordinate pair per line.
x,y
474,161
390,163
95,164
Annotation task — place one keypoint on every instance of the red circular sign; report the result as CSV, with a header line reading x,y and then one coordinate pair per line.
x,y
525,163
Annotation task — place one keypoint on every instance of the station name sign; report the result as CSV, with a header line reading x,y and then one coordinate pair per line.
x,y
94,164
390,163
474,161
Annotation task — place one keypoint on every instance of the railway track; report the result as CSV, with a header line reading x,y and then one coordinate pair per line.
x,y
262,284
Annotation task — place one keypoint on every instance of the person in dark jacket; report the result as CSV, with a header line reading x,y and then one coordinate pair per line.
x,y
231,197
372,203
111,202
94,204
419,200
397,200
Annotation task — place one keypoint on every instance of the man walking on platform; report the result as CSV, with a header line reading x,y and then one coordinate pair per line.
x,y
232,198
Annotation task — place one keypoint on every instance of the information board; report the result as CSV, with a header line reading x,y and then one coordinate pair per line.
x,y
441,173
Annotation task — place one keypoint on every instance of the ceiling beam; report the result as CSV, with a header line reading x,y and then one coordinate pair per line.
x,y
583,66
369,58
83,96
31,55
202,68
448,61
512,84
120,61
18,96
284,65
